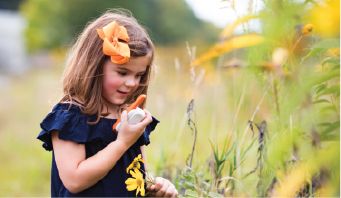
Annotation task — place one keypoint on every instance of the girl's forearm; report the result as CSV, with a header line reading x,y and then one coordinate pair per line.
x,y
94,168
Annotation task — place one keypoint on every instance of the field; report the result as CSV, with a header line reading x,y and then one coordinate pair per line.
x,y
252,115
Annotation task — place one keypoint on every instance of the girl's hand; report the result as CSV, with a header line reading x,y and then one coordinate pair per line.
x,y
128,133
162,188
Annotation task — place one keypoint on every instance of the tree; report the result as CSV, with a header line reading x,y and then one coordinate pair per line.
x,y
53,24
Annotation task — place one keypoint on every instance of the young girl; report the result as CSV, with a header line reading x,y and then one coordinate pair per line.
x,y
108,68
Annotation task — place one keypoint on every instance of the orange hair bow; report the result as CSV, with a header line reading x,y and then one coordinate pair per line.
x,y
115,42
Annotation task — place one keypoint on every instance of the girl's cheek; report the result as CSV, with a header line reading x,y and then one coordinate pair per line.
x,y
113,83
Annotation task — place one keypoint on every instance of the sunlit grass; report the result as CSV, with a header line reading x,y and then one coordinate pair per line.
x,y
25,167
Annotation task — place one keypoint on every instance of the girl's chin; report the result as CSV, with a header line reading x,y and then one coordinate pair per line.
x,y
118,101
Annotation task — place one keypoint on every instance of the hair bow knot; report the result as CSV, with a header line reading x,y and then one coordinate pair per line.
x,y
115,42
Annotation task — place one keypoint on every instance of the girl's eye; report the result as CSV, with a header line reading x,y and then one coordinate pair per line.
x,y
139,75
122,73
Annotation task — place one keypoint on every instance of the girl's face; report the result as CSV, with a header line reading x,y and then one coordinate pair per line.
x,y
120,81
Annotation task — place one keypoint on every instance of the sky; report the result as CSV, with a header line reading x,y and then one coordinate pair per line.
x,y
220,12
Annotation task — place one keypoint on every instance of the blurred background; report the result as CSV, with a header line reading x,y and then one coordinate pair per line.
x,y
247,92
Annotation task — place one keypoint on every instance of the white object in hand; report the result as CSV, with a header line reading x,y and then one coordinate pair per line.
x,y
134,116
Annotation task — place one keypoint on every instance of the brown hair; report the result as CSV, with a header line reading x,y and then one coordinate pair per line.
x,y
83,76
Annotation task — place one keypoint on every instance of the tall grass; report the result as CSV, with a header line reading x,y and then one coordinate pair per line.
x,y
267,110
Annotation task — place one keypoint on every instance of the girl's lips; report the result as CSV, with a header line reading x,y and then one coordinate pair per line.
x,y
122,92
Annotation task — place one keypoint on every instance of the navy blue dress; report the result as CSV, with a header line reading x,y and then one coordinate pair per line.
x,y
72,125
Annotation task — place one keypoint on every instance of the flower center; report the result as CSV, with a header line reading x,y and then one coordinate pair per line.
x,y
139,182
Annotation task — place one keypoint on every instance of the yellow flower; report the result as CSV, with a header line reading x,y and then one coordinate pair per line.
x,y
307,29
135,164
334,52
136,183
237,42
326,18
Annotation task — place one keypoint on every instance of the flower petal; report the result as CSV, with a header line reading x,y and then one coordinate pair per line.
x,y
129,167
130,181
137,191
131,187
138,175
142,190
132,173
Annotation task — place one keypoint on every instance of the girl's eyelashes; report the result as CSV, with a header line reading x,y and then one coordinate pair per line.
x,y
122,73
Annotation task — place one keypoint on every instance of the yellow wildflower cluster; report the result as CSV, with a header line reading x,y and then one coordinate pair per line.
x,y
136,182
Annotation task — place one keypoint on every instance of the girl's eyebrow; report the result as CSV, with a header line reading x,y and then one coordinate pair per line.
x,y
123,68
126,69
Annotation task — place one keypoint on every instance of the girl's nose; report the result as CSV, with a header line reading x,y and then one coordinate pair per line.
x,y
131,82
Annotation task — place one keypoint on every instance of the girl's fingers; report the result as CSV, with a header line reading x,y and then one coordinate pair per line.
x,y
146,120
164,190
171,192
158,184
164,186
148,114
152,187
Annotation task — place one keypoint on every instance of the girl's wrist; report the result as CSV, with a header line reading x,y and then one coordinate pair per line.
x,y
121,145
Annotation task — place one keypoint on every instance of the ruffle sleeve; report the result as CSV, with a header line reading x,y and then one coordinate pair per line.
x,y
144,139
70,124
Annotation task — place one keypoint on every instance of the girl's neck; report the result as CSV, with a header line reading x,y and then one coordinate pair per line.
x,y
110,110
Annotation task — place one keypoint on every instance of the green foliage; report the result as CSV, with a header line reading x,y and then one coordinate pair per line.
x,y
193,184
55,24
219,160
300,73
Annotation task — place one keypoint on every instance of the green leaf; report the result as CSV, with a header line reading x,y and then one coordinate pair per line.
x,y
217,159
324,124
191,193
321,101
313,53
327,44
330,127
213,194
326,77
332,61
330,137
329,108
320,87
335,89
